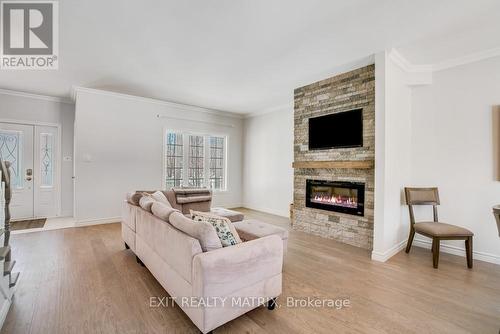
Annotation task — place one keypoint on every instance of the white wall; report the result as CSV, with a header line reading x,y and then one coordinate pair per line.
x,y
393,160
119,148
452,148
33,109
267,162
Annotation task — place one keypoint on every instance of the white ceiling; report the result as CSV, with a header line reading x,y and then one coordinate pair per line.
x,y
246,56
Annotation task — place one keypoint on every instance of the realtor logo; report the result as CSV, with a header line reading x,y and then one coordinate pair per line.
x,y
29,34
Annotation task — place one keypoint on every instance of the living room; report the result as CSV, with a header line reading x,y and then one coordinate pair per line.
x,y
264,167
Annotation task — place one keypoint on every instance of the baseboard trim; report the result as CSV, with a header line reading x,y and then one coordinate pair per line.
x,y
97,221
384,256
266,210
454,250
229,206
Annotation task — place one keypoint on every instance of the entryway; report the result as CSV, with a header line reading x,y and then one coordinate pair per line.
x,y
33,151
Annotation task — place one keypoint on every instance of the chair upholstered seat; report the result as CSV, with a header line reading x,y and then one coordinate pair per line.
x,y
442,229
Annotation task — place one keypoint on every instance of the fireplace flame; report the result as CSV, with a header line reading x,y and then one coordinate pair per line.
x,y
351,202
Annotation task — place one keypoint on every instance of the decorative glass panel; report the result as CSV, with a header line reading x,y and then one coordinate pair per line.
x,y
174,160
10,150
46,159
196,157
216,163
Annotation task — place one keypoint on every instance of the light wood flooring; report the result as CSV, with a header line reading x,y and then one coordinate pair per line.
x,y
82,280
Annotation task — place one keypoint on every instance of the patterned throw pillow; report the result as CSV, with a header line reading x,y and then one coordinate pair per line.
x,y
223,226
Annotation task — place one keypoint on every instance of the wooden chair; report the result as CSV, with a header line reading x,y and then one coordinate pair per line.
x,y
435,230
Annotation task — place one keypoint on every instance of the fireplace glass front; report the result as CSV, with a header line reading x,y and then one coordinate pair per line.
x,y
345,197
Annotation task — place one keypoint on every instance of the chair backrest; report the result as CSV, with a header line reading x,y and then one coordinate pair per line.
x,y
422,196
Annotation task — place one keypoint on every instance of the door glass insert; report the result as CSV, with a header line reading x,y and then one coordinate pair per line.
x,y
47,159
10,150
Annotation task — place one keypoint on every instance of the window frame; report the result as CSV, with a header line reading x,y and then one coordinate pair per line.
x,y
206,157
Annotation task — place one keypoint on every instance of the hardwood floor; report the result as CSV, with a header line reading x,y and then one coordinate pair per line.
x,y
82,280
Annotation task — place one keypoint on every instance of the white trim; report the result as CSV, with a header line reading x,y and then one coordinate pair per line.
x,y
231,206
34,123
196,120
97,221
187,107
467,59
35,96
284,214
454,250
283,107
408,66
384,256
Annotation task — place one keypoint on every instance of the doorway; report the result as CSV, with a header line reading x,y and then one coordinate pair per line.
x,y
33,151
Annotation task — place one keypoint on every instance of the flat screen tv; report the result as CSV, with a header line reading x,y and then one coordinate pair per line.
x,y
338,130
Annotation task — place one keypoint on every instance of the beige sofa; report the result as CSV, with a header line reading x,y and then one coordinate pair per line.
x,y
245,275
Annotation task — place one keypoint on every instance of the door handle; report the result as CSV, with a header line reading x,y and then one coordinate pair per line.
x,y
29,174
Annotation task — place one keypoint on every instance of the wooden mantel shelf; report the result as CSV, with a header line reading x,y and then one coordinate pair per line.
x,y
355,164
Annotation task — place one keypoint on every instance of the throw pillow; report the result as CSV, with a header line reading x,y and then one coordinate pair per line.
x,y
204,232
162,210
160,197
146,202
223,226
134,197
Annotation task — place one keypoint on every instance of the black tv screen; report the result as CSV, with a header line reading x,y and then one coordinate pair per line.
x,y
339,130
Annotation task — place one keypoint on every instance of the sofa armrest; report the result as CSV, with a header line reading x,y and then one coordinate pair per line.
x,y
224,271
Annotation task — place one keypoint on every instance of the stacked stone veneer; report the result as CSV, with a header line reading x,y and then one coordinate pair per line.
x,y
351,90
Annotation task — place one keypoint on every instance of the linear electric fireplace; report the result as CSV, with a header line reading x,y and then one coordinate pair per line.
x,y
345,197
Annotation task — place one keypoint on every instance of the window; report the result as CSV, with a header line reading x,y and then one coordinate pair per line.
x,y
195,160
195,170
216,162
47,159
174,159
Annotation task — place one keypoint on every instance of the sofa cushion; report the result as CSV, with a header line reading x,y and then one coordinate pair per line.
x,y
250,229
162,210
186,199
160,197
233,216
223,226
146,202
171,198
203,231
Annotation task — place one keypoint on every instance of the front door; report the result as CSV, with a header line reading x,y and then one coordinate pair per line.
x,y
32,151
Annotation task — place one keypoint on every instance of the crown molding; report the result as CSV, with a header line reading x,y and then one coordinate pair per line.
x,y
281,107
35,96
467,59
187,107
407,66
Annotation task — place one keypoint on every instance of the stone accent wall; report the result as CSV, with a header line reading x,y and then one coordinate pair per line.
x,y
351,90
